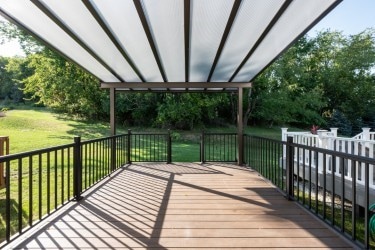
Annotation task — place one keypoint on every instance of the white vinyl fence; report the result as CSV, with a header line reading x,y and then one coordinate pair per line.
x,y
361,145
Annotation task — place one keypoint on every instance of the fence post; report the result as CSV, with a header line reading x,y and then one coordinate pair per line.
x,y
334,131
113,153
202,148
77,169
4,150
129,145
169,147
289,168
366,134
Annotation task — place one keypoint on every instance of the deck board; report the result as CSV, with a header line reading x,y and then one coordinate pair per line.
x,y
184,206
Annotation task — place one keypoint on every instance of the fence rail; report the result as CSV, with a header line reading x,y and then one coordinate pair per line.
x,y
320,184
149,147
218,147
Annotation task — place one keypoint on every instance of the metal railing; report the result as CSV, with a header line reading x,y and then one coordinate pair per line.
x,y
218,147
149,147
40,182
341,203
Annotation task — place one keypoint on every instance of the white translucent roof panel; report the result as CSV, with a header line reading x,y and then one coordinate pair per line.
x,y
166,19
252,19
33,19
208,21
215,89
77,17
177,89
294,21
122,18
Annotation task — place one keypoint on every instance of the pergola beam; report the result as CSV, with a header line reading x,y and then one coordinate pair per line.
x,y
112,101
240,126
171,85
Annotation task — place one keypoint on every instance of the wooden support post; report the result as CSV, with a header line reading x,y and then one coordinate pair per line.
x,y
240,126
4,150
112,100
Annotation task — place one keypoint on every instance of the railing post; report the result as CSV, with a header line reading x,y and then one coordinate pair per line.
x,y
113,153
129,146
366,134
334,131
202,147
284,132
169,147
289,168
77,169
4,150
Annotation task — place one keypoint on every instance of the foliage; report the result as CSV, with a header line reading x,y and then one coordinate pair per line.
x,y
63,86
317,76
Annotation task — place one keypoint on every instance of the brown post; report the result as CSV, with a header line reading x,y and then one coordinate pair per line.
x,y
112,100
289,168
240,126
4,150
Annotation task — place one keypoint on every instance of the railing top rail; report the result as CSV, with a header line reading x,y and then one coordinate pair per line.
x,y
149,133
220,133
298,133
265,138
349,139
11,157
353,157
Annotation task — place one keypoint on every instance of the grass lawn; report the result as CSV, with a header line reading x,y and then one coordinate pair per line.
x,y
34,128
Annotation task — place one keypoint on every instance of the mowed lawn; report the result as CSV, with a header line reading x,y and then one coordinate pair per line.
x,y
37,128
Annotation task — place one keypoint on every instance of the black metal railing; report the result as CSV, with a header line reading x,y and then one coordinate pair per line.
x,y
149,147
264,156
41,181
318,179
218,147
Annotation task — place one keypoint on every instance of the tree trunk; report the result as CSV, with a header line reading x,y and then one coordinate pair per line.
x,y
249,108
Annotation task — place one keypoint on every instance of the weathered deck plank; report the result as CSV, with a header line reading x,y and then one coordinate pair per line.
x,y
183,206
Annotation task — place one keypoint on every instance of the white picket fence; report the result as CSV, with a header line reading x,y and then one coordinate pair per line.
x,y
362,145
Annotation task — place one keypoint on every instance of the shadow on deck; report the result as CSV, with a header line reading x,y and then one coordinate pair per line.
x,y
182,205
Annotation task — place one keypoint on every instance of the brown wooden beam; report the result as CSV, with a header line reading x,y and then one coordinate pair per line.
x,y
112,101
150,85
240,126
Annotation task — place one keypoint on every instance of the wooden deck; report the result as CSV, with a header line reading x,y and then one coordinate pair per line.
x,y
180,205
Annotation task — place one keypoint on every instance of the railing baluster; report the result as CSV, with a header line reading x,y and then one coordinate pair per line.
x,y
354,201
30,190
55,178
48,182
342,166
8,201
62,176
20,192
40,186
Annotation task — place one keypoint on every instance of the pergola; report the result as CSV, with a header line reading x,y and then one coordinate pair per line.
x,y
169,45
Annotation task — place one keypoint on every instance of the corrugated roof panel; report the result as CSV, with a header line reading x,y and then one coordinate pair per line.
x,y
166,20
252,19
78,19
132,40
122,18
208,22
292,23
33,19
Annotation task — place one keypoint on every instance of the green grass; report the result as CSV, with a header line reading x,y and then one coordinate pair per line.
x,y
36,128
